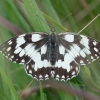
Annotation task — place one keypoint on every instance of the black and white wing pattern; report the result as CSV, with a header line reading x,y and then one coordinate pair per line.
x,y
83,49
27,49
20,48
76,50
46,56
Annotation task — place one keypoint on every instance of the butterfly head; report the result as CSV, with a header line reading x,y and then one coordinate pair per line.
x,y
53,31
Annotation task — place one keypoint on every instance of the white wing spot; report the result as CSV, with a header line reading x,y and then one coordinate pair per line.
x,y
23,61
61,49
96,55
86,51
30,71
82,54
28,47
27,67
52,73
43,49
8,48
81,62
57,76
92,57
40,65
68,59
17,50
69,38
76,47
76,68
64,65
46,76
12,56
46,63
85,42
63,76
20,41
22,53
36,57
74,52
96,49
40,76
16,59
73,73
30,51
58,63
10,42
36,37
94,42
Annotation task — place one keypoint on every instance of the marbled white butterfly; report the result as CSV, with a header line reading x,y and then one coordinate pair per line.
x,y
54,55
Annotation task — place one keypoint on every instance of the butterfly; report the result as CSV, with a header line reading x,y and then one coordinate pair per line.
x,y
51,55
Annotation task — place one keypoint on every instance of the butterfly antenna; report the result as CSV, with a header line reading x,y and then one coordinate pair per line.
x,y
63,19
26,89
89,23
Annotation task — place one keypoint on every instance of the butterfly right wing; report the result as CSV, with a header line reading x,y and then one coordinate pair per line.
x,y
74,50
82,48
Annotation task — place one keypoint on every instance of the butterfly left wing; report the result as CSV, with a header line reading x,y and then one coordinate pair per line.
x,y
20,48
40,70
30,50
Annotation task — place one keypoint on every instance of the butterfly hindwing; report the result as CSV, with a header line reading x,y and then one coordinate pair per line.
x,y
39,66
67,68
39,70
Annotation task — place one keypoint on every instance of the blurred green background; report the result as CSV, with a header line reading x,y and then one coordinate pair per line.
x,y
26,16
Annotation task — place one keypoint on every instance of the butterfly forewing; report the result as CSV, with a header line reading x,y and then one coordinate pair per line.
x,y
83,49
20,48
46,56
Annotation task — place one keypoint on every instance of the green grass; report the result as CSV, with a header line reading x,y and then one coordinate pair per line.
x,y
33,15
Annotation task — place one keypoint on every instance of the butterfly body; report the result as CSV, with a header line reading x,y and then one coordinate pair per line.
x,y
52,44
51,55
